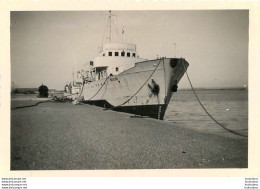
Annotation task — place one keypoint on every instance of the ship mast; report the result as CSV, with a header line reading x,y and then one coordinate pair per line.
x,y
73,76
110,26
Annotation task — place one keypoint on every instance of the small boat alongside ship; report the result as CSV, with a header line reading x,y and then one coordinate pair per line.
x,y
120,80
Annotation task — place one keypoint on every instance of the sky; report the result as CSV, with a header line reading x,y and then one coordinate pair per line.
x,y
47,46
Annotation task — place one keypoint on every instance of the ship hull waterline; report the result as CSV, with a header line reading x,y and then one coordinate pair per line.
x,y
145,89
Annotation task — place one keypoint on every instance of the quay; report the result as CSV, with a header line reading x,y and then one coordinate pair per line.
x,y
63,136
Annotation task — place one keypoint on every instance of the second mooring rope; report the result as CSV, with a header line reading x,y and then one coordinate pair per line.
x,y
229,130
99,88
138,89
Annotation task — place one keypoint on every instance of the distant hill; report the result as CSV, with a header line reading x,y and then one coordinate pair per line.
x,y
25,91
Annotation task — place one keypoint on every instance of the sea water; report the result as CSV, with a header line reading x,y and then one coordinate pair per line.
x,y
228,107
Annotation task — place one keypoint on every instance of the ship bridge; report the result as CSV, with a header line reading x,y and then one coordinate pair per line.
x,y
119,49
115,58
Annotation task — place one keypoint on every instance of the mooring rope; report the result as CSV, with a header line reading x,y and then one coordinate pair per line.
x,y
104,91
99,88
229,130
52,100
138,89
29,106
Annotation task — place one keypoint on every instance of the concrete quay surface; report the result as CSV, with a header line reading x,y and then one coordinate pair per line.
x,y
63,136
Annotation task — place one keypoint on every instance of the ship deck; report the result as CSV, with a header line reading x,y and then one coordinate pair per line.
x,y
63,136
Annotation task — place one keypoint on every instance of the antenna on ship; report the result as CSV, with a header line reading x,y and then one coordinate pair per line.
x,y
109,17
175,49
123,31
73,76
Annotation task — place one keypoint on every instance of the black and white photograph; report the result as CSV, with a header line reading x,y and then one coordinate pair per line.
x,y
129,89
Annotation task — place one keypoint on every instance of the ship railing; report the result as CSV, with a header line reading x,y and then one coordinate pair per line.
x,y
93,75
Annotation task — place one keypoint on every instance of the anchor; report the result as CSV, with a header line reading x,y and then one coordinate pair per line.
x,y
154,88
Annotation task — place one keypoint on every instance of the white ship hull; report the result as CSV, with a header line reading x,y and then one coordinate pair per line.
x,y
133,91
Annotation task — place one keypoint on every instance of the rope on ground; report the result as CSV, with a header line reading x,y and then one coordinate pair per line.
x,y
55,99
139,88
29,106
229,130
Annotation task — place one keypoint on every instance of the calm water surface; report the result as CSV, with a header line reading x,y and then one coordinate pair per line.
x,y
228,107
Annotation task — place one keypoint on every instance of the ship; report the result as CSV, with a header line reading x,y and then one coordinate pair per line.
x,y
118,79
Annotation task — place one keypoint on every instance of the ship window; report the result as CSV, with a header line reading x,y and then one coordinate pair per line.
x,y
116,53
91,63
109,53
117,69
133,54
128,54
123,53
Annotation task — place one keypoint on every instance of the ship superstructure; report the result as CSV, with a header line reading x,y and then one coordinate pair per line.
x,y
119,79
